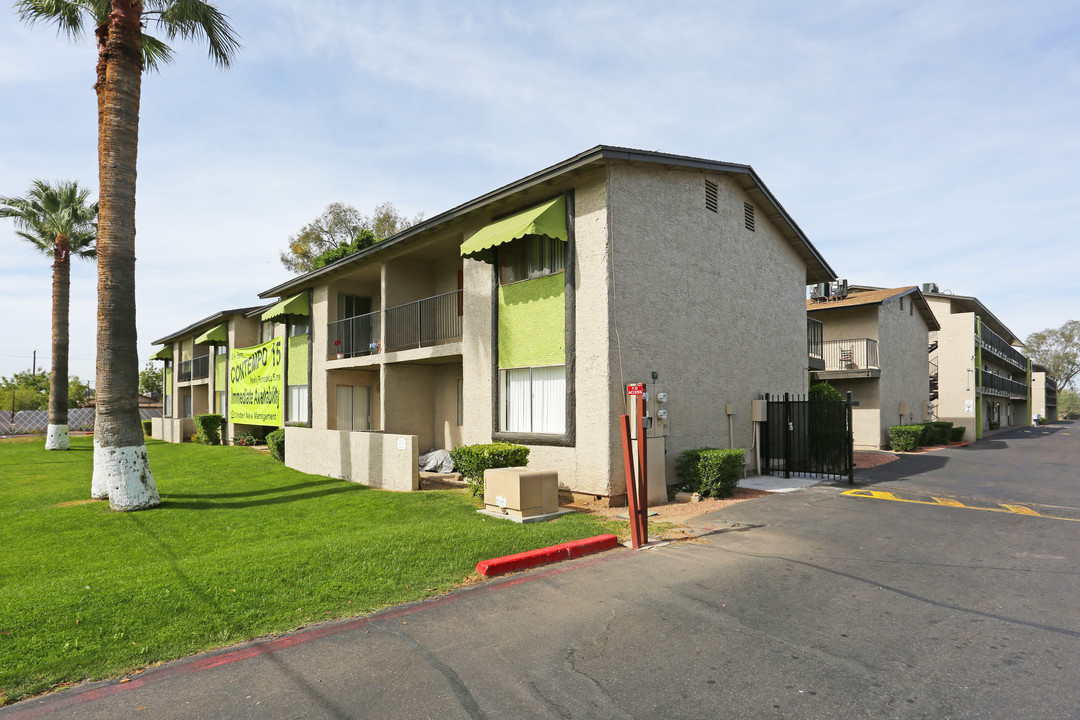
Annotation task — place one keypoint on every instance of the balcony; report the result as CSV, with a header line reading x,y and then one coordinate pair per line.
x,y
417,324
355,336
194,369
813,344
850,358
996,345
991,384
1051,391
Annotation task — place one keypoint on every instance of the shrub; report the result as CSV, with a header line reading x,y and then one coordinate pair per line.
x,y
956,433
472,460
825,391
146,427
926,433
905,438
208,429
276,442
1043,421
245,439
710,471
995,424
941,431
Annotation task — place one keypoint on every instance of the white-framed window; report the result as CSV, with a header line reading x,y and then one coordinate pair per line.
x,y
533,400
266,331
185,406
168,406
530,257
460,402
221,349
298,404
300,326
222,403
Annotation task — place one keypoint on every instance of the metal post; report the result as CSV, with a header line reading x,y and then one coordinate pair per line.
x,y
643,473
631,485
787,436
849,440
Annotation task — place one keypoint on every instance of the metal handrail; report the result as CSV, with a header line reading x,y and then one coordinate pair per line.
x,y
996,344
851,354
424,322
354,336
1003,385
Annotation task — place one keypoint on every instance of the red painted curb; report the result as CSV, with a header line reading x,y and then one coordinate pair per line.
x,y
545,556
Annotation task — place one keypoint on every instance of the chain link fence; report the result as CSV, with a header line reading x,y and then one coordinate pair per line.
x,y
36,422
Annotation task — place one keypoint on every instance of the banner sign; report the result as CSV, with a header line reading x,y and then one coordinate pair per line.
x,y
255,384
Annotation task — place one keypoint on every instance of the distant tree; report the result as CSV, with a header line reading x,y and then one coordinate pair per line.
x,y
79,393
31,391
1068,404
339,228
59,222
150,380
1058,349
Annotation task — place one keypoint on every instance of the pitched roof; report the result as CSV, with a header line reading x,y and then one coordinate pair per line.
x,y
190,329
817,270
876,297
963,304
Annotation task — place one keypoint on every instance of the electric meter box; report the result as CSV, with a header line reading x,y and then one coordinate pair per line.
x,y
521,492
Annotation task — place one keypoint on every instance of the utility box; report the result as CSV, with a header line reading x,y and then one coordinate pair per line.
x,y
521,492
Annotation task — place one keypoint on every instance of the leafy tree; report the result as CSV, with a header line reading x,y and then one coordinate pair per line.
x,y
1068,404
340,227
150,380
121,471
79,393
31,391
1058,349
59,222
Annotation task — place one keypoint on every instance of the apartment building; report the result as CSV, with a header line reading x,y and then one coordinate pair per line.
x,y
874,345
1043,394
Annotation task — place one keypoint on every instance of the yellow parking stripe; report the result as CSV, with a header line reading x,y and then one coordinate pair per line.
x,y
953,503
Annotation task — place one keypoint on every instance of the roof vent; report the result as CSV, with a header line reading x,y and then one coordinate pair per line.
x,y
748,216
930,288
711,195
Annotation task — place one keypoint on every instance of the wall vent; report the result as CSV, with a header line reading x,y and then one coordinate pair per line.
x,y
711,191
748,216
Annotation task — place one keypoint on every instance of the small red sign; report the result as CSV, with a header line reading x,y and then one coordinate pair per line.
x,y
635,389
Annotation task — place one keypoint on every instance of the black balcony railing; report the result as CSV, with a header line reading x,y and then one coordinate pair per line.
x,y
813,344
851,354
1051,385
424,322
998,385
996,344
355,336
200,367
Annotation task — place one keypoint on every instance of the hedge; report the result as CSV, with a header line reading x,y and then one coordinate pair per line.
x,y
942,430
905,438
710,471
208,429
472,460
276,442
956,433
147,426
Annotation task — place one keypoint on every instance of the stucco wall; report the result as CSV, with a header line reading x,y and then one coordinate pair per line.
x,y
717,310
955,353
903,338
422,400
847,323
378,460
587,467
1038,396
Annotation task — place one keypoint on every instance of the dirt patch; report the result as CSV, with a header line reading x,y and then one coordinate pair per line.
x,y
864,461
674,513
73,503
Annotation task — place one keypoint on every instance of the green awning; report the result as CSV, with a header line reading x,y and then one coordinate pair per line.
x,y
164,353
547,219
296,305
217,335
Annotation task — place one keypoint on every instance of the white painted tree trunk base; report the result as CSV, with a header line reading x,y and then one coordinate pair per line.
x,y
123,473
57,438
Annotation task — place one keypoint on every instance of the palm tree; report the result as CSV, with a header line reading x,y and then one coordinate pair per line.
x,y
57,220
121,470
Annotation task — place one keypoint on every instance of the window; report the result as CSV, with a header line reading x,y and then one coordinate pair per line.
x,y
168,406
298,404
533,400
530,257
299,327
266,331
221,349
222,404
186,406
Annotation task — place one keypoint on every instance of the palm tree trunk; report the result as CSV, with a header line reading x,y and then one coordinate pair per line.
x,y
57,437
121,468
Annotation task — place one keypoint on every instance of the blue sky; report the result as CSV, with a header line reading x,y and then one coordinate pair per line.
x,y
912,141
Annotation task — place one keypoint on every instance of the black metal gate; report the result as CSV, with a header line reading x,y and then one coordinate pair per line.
x,y
808,437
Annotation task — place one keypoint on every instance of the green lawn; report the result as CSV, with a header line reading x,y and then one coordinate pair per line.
x,y
241,547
